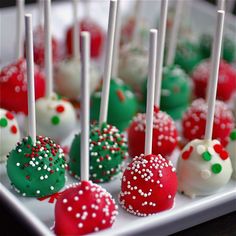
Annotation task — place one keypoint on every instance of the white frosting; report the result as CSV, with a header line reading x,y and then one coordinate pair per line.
x,y
195,175
231,148
8,139
133,66
67,79
46,110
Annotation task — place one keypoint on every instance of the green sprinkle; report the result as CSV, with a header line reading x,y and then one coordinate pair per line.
x,y
55,120
233,135
3,122
216,168
206,156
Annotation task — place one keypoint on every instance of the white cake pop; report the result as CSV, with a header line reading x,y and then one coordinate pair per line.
x,y
231,148
9,133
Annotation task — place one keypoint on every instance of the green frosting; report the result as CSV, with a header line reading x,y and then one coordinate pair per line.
x,y
36,170
108,149
229,47
188,55
175,92
122,104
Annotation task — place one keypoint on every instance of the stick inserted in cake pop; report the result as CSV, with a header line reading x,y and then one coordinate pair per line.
x,y
48,48
85,79
76,38
151,87
108,62
160,50
30,77
174,33
221,5
20,28
215,61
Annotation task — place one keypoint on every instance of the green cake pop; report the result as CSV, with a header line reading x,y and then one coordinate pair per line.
x,y
108,149
229,47
36,170
122,104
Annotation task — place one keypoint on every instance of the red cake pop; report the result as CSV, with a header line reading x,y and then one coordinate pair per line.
x,y
84,208
194,122
97,37
164,134
226,82
13,86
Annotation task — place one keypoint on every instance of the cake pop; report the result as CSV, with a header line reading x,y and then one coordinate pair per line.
x,y
55,117
204,166
9,133
226,84
194,121
84,207
36,167
149,183
231,148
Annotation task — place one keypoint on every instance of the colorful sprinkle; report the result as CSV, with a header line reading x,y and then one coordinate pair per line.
x,y
120,95
9,116
3,122
13,129
216,168
224,155
187,153
206,156
60,108
55,120
233,135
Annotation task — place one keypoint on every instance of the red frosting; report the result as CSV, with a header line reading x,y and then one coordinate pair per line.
x,y
194,122
84,208
13,86
97,37
164,134
226,82
149,185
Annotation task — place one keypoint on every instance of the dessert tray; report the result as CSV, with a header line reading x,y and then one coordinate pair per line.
x,y
39,213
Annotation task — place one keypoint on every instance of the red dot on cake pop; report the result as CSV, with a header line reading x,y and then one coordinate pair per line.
x,y
60,108
217,148
120,95
9,116
13,129
187,153
224,155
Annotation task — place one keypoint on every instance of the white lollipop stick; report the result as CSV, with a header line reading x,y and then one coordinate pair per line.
x,y
108,62
48,48
174,33
160,50
85,40
215,62
30,77
221,5
40,12
137,19
76,38
20,28
150,90
117,42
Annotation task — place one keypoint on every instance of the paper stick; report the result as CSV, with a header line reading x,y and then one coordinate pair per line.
x,y
221,5
20,28
137,19
117,42
40,12
48,48
160,50
30,77
150,90
75,32
215,62
85,40
174,33
108,62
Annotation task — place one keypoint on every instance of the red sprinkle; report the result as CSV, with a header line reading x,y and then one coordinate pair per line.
x,y
60,108
13,129
224,155
120,95
217,148
187,153
9,116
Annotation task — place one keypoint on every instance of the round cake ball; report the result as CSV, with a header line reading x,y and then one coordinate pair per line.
x,y
148,186
108,149
188,55
229,47
122,105
133,66
226,80
39,57
9,133
68,80
203,168
36,170
55,117
231,148
13,86
84,208
194,121
165,136
97,37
